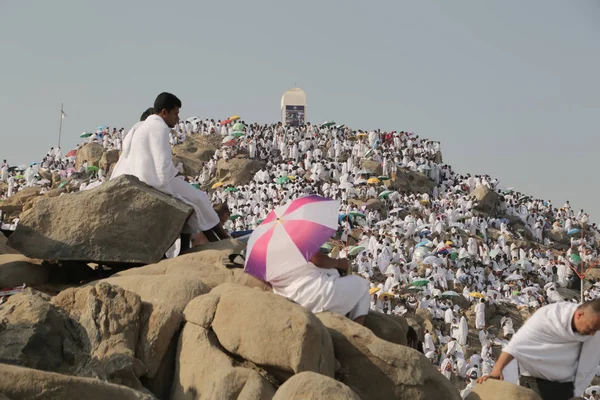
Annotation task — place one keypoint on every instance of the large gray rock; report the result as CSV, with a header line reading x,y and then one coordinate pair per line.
x,y
4,248
20,200
487,200
376,369
90,152
122,221
498,390
237,171
411,182
25,383
194,153
204,371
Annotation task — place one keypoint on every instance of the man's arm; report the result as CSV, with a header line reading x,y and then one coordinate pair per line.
x,y
503,361
589,358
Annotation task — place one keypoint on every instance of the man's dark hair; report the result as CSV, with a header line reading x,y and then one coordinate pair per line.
x,y
166,101
147,113
592,305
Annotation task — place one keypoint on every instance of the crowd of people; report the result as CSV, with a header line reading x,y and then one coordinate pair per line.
x,y
432,253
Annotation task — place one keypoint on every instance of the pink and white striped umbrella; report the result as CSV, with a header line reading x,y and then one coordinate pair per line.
x,y
290,236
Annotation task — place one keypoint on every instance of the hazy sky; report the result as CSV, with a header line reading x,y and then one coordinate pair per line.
x,y
511,88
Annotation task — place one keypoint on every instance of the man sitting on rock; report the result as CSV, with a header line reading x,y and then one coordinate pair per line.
x,y
147,156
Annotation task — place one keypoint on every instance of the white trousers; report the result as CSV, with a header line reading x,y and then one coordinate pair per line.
x,y
204,216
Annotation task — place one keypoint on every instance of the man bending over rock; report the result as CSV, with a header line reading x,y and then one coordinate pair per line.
x,y
147,156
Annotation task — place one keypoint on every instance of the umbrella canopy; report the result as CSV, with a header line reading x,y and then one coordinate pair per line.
x,y
101,127
514,277
234,118
374,290
234,217
373,181
225,122
217,185
19,177
238,133
529,289
420,282
363,172
228,138
383,178
230,143
355,250
282,180
573,231
327,124
93,168
72,153
238,126
85,134
387,294
232,189
196,185
575,259
385,194
290,236
416,288
591,389
450,293
63,184
356,214
432,260
477,295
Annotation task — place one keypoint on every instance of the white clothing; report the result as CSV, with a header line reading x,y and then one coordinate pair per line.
x,y
546,347
479,315
318,290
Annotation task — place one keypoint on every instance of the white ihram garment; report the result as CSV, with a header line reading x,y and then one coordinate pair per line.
x,y
147,156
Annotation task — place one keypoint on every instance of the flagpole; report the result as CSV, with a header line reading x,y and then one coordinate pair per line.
x,y
61,118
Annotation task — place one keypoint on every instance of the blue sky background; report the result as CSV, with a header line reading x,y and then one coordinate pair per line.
x,y
510,88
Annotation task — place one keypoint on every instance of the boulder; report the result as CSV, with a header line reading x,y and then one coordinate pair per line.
x,y
20,200
206,263
122,221
499,390
193,154
108,318
411,182
270,331
16,269
37,334
90,152
4,248
174,291
25,383
313,386
237,171
204,371
374,368
560,236
487,200
375,205
109,158
158,325
375,168
387,328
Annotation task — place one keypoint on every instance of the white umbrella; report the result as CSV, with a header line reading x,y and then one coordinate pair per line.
x,y
382,223
228,138
548,285
397,222
591,389
432,260
395,210
530,289
514,277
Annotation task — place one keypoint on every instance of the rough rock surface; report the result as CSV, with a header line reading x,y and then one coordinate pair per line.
x,y
271,331
499,390
25,383
387,327
90,152
204,371
375,168
108,159
16,270
206,263
95,225
5,248
194,154
487,200
411,182
313,386
237,171
108,317
377,369
20,200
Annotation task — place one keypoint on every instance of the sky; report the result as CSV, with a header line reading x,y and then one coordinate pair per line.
x,y
511,88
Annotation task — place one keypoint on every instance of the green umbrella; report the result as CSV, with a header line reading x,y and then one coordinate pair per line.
x,y
196,185
383,178
327,246
417,288
453,256
62,184
238,126
85,134
234,217
385,194
93,168
282,180
575,259
19,177
356,214
238,133
355,250
232,189
327,124
420,282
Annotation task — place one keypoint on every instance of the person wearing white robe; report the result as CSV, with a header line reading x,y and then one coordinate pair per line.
x,y
428,344
480,314
558,350
147,155
447,367
463,331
